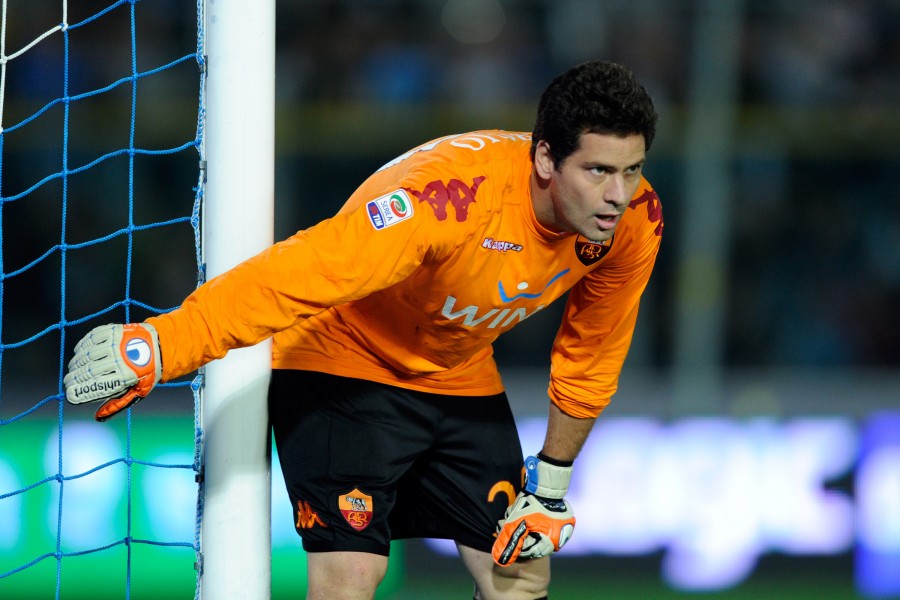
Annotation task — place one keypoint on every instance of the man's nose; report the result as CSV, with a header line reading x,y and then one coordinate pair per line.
x,y
616,191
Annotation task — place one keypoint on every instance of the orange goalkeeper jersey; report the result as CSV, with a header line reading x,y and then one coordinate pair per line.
x,y
431,259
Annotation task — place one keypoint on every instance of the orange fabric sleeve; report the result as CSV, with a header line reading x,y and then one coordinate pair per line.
x,y
599,319
340,260
335,262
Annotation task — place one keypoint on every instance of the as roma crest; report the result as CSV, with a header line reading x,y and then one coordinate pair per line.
x,y
357,508
589,252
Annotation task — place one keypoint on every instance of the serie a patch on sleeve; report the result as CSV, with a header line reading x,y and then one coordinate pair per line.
x,y
389,209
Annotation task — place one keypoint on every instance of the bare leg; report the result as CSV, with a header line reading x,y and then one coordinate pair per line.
x,y
344,575
526,580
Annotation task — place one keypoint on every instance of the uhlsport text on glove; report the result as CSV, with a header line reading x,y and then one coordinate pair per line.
x,y
116,365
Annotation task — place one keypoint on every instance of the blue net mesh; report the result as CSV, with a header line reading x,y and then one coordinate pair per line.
x,y
100,135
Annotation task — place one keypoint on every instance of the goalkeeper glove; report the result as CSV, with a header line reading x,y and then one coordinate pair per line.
x,y
114,364
540,521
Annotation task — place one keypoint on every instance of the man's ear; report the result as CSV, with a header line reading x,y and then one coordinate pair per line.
x,y
543,162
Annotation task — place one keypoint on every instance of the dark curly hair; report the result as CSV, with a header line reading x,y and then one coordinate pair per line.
x,y
594,97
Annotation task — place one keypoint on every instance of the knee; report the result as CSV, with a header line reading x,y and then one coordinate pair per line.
x,y
344,575
521,581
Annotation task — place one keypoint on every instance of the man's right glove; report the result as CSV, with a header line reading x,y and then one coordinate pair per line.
x,y
114,364
540,521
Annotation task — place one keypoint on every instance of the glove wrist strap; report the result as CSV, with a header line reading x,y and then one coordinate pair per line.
x,y
554,461
545,479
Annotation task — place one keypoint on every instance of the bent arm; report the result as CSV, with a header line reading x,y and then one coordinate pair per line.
x,y
565,435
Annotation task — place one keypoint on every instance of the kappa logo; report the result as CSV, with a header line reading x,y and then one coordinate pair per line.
x,y
456,193
654,208
307,518
492,244
389,209
357,508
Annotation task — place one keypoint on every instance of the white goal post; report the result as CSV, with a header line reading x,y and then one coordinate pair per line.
x,y
238,222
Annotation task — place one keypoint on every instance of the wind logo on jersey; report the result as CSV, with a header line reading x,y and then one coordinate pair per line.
x,y
357,508
390,209
524,286
494,317
307,518
589,252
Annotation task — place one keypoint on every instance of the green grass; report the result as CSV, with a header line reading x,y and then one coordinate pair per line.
x,y
602,588
775,577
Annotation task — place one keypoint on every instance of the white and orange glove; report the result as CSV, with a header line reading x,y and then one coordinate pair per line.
x,y
114,364
540,521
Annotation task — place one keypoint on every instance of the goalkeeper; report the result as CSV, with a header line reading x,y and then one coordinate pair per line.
x,y
389,413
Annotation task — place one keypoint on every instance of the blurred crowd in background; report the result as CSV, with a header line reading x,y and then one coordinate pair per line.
x,y
479,52
813,252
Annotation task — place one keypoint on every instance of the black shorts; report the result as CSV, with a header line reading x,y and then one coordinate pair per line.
x,y
365,463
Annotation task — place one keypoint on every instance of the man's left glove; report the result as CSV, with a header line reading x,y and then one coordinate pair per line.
x,y
114,364
540,521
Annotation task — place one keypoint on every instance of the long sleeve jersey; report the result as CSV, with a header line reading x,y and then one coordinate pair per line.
x,y
428,262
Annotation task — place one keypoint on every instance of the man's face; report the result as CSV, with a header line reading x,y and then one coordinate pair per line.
x,y
592,187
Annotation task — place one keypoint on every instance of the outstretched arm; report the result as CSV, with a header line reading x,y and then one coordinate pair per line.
x,y
282,285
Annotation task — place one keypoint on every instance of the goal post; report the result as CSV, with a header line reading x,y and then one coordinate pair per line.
x,y
238,222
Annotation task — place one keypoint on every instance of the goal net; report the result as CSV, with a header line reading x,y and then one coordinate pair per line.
x,y
100,133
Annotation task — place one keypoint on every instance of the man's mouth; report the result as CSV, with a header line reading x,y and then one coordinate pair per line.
x,y
606,222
